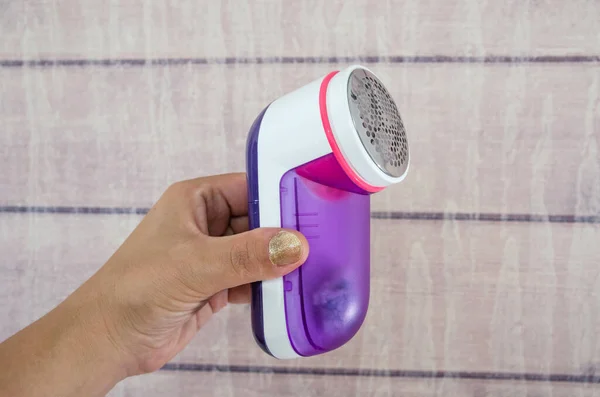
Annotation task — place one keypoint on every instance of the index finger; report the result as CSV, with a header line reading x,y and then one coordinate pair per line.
x,y
233,188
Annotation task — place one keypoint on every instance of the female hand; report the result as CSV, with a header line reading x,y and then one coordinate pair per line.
x,y
190,256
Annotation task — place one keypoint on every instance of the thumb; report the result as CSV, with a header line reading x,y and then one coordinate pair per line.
x,y
256,255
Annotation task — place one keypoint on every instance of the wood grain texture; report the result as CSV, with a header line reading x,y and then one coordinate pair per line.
x,y
259,385
452,296
519,137
242,28
499,139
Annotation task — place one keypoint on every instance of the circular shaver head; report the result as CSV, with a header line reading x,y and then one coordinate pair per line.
x,y
378,123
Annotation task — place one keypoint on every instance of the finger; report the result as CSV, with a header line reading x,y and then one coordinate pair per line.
x,y
192,326
259,254
240,294
219,300
231,187
239,224
202,317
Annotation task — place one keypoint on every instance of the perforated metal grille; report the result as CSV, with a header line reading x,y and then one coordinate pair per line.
x,y
378,123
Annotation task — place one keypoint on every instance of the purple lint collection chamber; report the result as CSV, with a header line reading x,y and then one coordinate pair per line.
x,y
314,157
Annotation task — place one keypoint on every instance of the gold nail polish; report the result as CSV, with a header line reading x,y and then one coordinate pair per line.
x,y
285,248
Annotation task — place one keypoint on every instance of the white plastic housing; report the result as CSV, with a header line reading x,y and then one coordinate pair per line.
x,y
292,134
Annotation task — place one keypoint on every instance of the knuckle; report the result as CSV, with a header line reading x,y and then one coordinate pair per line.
x,y
172,193
175,186
189,187
184,192
179,188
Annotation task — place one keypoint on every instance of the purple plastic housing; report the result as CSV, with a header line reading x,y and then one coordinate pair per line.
x,y
254,222
326,299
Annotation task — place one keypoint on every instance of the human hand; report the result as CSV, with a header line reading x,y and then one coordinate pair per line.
x,y
190,256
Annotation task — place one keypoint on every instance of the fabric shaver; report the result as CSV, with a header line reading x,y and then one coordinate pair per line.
x,y
314,157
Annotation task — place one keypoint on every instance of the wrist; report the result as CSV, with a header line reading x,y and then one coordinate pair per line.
x,y
66,352
90,333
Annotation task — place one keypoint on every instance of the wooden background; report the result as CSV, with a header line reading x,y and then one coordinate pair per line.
x,y
486,260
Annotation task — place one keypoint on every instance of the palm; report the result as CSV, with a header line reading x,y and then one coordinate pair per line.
x,y
219,209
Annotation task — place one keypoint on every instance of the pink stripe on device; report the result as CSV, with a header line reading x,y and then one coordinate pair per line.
x,y
336,150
